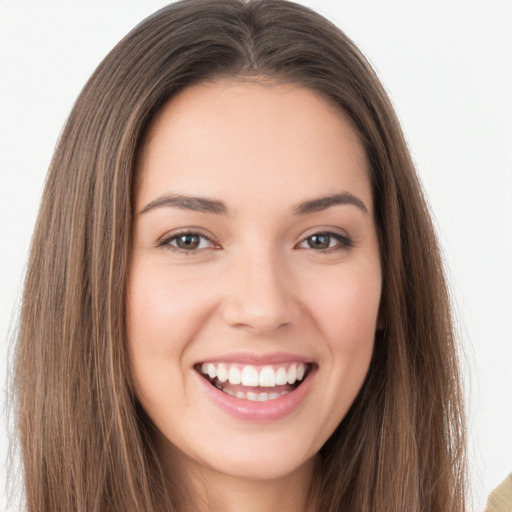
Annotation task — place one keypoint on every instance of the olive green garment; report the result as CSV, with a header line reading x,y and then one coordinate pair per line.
x,y
500,499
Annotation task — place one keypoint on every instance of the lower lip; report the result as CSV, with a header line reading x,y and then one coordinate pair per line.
x,y
249,410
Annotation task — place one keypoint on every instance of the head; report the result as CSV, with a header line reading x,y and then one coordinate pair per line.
x,y
76,385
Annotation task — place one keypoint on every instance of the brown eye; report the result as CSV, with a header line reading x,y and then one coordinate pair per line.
x,y
327,242
188,241
319,241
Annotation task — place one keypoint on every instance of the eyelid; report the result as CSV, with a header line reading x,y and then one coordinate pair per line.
x,y
165,240
345,241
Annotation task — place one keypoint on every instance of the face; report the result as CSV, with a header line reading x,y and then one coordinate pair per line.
x,y
255,281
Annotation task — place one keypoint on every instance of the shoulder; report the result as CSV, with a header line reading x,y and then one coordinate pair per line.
x,y
500,500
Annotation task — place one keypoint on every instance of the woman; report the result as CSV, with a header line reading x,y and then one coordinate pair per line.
x,y
232,209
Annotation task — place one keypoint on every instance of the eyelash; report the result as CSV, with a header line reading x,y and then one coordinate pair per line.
x,y
344,242
166,242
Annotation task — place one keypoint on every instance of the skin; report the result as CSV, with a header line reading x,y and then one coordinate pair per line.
x,y
254,286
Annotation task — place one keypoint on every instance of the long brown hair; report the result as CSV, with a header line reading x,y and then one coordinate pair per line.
x,y
85,442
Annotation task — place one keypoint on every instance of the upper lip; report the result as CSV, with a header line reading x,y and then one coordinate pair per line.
x,y
256,359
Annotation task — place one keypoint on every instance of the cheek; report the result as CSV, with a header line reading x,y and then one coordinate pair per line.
x,y
163,310
345,315
160,323
346,307
163,313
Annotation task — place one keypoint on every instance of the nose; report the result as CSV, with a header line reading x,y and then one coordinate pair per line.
x,y
261,295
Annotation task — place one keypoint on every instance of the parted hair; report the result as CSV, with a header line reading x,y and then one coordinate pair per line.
x,y
85,442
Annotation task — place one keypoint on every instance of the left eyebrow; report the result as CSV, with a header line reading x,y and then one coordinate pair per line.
x,y
322,203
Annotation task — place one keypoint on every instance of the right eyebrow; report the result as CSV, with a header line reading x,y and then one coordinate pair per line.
x,y
197,204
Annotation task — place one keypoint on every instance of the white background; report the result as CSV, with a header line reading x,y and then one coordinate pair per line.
x,y
448,68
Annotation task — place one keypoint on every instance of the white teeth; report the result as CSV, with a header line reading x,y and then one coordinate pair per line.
x,y
222,373
255,397
267,377
260,397
292,374
250,376
234,376
281,377
212,371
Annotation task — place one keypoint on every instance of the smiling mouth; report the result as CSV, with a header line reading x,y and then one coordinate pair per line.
x,y
254,383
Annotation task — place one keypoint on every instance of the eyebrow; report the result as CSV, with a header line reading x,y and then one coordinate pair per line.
x,y
197,204
204,205
322,203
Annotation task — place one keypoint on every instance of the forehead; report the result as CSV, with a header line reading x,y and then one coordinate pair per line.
x,y
244,138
